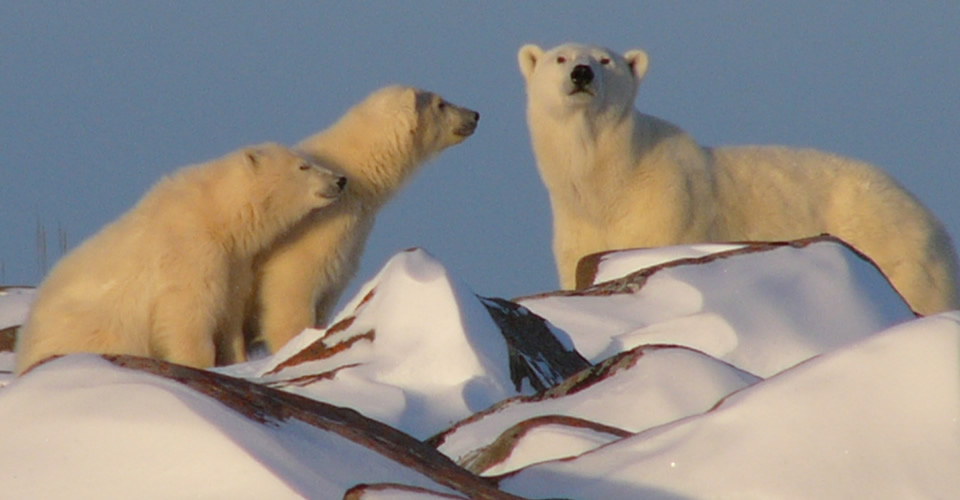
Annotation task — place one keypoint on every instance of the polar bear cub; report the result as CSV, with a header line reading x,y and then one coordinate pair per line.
x,y
618,178
378,144
168,279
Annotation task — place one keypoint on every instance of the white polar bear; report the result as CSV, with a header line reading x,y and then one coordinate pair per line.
x,y
378,144
169,278
618,178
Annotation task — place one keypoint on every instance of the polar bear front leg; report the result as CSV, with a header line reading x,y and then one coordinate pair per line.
x,y
286,297
230,342
185,327
573,239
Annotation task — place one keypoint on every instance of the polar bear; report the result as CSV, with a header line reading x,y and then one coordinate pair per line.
x,y
378,144
618,178
169,278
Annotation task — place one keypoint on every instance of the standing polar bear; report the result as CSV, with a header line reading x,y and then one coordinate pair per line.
x,y
169,278
618,178
378,145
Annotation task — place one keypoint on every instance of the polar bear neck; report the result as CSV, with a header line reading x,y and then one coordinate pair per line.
x,y
573,150
587,160
377,163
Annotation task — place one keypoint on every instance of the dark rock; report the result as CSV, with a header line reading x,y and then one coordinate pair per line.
x,y
501,448
535,353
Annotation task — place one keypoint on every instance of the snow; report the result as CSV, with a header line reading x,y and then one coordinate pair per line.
x,y
107,432
879,419
746,371
762,310
16,304
435,356
661,386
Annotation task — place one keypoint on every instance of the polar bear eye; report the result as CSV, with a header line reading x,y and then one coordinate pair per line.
x,y
441,104
604,61
561,59
304,166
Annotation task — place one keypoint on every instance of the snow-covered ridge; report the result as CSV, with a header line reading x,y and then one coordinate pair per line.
x,y
768,371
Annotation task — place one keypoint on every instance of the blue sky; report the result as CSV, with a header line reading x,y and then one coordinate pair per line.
x,y
98,100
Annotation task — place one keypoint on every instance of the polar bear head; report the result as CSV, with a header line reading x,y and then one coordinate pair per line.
x,y
433,123
381,141
573,77
287,183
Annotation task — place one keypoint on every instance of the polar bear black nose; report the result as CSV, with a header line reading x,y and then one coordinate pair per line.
x,y
581,75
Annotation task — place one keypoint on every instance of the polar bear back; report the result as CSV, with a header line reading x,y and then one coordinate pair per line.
x,y
798,190
804,192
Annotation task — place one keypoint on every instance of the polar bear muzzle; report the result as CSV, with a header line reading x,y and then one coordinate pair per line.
x,y
581,76
468,122
334,185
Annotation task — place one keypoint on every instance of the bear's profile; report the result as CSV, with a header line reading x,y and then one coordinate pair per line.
x,y
378,144
168,279
618,178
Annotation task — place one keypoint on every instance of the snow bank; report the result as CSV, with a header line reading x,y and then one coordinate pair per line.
x,y
417,350
762,308
633,392
754,371
81,427
879,419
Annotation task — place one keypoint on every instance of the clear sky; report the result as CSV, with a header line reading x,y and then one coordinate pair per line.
x,y
98,100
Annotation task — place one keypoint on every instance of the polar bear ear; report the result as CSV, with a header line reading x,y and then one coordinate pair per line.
x,y
527,57
253,157
421,99
637,59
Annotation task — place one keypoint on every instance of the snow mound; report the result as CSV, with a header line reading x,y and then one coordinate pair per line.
x,y
648,386
109,432
762,308
419,351
878,419
753,371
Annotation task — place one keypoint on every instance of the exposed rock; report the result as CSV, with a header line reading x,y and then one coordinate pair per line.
x,y
661,383
499,450
8,338
16,305
391,490
535,352
588,268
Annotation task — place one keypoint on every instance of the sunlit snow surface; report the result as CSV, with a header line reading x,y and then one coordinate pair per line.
x,y
790,371
79,427
879,419
762,309
425,353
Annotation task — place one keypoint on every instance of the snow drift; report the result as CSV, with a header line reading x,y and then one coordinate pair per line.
x,y
756,370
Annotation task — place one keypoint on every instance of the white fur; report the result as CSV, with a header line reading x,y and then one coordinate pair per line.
x,y
618,178
168,279
378,145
